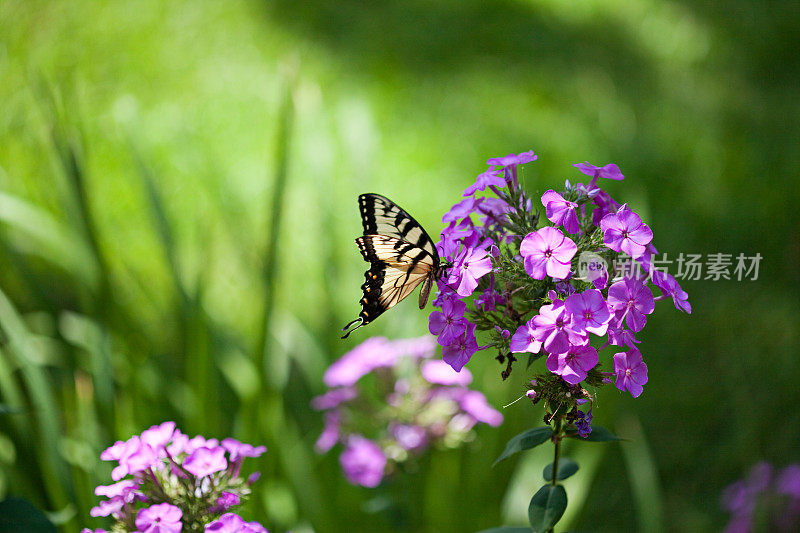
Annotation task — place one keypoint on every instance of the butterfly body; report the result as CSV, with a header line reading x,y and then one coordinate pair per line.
x,y
401,256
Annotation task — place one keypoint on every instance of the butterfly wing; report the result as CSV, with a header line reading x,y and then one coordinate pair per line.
x,y
381,216
396,268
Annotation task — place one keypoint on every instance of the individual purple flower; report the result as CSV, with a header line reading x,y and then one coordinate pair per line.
x,y
574,365
547,252
462,209
470,265
158,436
457,354
488,178
631,371
670,287
588,311
624,231
619,336
449,323
561,212
610,171
363,462
159,518
632,300
438,372
474,404
138,456
98,530
233,523
409,437
332,398
205,461
524,339
584,423
513,159
553,329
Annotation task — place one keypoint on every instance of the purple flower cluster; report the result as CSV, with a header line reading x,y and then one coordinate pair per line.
x,y
420,402
566,284
166,482
764,500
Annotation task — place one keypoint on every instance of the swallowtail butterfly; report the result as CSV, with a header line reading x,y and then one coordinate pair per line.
x,y
401,256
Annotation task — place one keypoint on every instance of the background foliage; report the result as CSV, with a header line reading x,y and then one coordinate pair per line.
x,y
177,208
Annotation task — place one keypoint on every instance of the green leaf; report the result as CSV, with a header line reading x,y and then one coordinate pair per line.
x,y
546,507
566,467
506,529
17,514
598,434
525,441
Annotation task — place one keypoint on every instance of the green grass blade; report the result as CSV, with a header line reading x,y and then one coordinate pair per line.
x,y
643,476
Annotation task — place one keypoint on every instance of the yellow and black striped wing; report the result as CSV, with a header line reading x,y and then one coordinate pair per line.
x,y
397,267
381,216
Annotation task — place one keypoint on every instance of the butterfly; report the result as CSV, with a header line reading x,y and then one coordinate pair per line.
x,y
401,256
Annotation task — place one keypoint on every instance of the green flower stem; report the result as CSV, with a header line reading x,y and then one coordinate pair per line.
x,y
557,452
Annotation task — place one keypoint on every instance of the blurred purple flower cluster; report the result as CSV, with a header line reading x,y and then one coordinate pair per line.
x,y
166,482
389,400
765,500
546,285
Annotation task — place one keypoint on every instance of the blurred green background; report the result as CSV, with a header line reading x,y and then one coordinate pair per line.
x,y
177,209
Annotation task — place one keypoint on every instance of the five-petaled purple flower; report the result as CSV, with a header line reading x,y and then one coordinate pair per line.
x,y
553,329
205,461
524,340
159,518
547,252
561,212
610,171
573,365
632,300
449,323
470,265
588,311
631,371
460,351
488,178
624,231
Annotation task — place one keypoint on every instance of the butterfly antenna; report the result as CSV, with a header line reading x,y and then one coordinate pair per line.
x,y
360,323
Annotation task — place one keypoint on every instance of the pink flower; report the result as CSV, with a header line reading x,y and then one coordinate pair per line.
x,y
159,518
631,371
524,340
573,365
233,523
588,311
547,252
553,329
610,171
205,461
561,212
632,300
624,231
